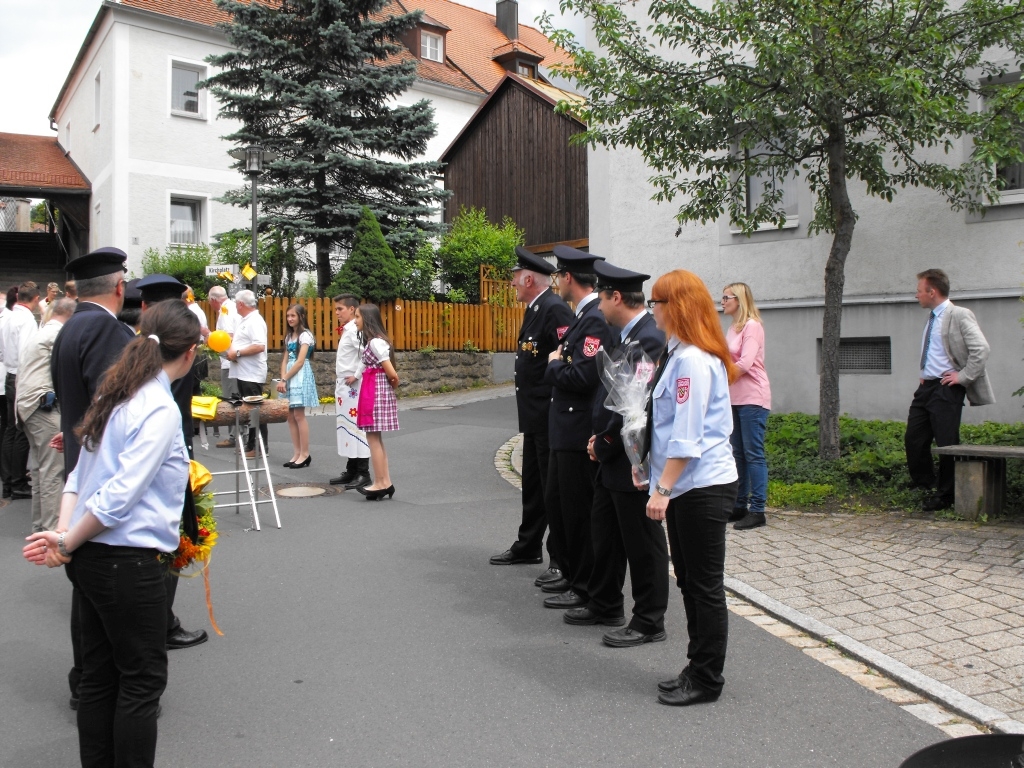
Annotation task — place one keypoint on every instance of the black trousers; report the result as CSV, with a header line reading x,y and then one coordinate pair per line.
x,y
570,497
246,389
696,538
123,616
14,448
623,533
934,415
530,541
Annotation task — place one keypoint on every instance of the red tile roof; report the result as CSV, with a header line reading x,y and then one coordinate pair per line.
x,y
36,162
469,49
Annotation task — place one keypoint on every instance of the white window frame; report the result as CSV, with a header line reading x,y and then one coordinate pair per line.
x,y
427,37
792,222
1008,196
202,203
97,100
202,98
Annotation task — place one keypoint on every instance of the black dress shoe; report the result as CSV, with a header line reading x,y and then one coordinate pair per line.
x,y
358,482
15,495
344,478
629,637
555,587
182,638
686,694
551,574
752,520
675,682
934,504
7,492
566,600
737,514
508,557
585,616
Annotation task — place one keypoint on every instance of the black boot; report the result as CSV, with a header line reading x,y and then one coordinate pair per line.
x,y
348,475
362,477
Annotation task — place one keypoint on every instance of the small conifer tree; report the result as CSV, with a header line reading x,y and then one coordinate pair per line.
x,y
371,271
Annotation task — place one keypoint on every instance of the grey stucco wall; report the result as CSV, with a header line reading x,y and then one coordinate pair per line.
x,y
791,358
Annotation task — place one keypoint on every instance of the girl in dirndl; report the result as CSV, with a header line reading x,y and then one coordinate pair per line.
x,y
298,382
378,407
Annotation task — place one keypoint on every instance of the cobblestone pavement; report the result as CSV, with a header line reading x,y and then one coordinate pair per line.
x,y
944,598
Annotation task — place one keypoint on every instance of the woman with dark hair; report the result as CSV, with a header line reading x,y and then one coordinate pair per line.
x,y
297,380
693,475
120,511
377,411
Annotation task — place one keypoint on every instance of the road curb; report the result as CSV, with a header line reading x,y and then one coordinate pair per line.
x,y
906,676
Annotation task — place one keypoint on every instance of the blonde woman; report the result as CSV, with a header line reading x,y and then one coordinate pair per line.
x,y
751,399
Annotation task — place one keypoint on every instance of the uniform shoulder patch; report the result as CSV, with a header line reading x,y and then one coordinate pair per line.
x,y
682,390
560,330
591,345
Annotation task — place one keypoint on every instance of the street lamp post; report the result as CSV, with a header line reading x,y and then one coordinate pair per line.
x,y
253,158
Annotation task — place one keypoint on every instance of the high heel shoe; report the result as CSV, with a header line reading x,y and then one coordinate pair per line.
x,y
289,465
378,494
303,464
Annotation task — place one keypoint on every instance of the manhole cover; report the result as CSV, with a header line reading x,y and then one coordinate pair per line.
x,y
436,408
302,490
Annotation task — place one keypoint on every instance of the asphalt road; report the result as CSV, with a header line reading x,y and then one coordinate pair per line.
x,y
376,634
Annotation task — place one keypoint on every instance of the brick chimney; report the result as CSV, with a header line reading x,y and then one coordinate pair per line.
x,y
506,18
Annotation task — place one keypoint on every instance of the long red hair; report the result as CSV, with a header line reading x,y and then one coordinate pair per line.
x,y
690,315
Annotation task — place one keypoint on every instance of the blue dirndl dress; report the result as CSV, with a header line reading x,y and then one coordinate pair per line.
x,y
302,386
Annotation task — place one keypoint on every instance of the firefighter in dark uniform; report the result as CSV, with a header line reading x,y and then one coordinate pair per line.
x,y
621,531
547,318
572,372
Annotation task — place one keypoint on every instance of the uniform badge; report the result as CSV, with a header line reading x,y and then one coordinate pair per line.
x,y
536,307
682,390
590,346
561,331
644,371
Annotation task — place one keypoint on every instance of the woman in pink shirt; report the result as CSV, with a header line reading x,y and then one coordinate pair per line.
x,y
751,402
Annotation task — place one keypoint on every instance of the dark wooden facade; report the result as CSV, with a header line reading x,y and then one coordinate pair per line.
x,y
513,159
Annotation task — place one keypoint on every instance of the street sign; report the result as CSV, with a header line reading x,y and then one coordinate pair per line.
x,y
215,269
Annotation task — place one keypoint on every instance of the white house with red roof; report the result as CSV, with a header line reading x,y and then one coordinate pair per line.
x,y
148,142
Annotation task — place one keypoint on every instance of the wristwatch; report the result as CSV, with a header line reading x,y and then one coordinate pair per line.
x,y
661,491
60,546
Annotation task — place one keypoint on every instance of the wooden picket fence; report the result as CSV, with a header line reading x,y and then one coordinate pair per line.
x,y
491,326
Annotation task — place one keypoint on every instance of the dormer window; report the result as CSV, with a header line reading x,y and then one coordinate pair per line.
x,y
431,46
526,70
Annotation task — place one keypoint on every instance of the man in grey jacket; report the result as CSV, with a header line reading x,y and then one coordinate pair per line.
x,y
953,356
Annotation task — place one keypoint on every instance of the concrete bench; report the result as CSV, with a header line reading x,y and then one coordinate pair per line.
x,y
980,476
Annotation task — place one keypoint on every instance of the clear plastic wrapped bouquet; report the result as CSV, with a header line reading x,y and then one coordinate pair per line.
x,y
626,376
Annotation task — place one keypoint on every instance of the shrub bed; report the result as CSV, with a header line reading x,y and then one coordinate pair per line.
x,y
872,468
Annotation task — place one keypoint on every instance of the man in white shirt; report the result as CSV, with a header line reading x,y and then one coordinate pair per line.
x,y
248,357
14,452
352,444
227,320
38,414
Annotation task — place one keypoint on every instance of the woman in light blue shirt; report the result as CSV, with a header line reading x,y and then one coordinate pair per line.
x,y
121,509
693,474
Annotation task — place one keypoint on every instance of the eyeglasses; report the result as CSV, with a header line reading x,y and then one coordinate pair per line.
x,y
652,302
727,298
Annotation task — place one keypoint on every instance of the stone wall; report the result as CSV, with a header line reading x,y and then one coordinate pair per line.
x,y
417,372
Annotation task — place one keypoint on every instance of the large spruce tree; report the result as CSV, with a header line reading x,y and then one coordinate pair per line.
x,y
316,81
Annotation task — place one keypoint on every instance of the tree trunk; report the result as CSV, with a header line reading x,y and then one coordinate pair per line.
x,y
835,278
323,266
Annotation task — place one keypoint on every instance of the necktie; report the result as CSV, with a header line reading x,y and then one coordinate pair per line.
x,y
650,403
927,340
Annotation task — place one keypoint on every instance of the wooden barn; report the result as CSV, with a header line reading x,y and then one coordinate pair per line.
x,y
513,159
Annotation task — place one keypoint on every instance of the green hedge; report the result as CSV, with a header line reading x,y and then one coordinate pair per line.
x,y
872,463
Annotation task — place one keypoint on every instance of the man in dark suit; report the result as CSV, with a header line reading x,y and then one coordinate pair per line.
x,y
621,531
547,318
572,372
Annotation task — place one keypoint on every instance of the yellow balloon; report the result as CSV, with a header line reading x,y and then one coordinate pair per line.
x,y
219,341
